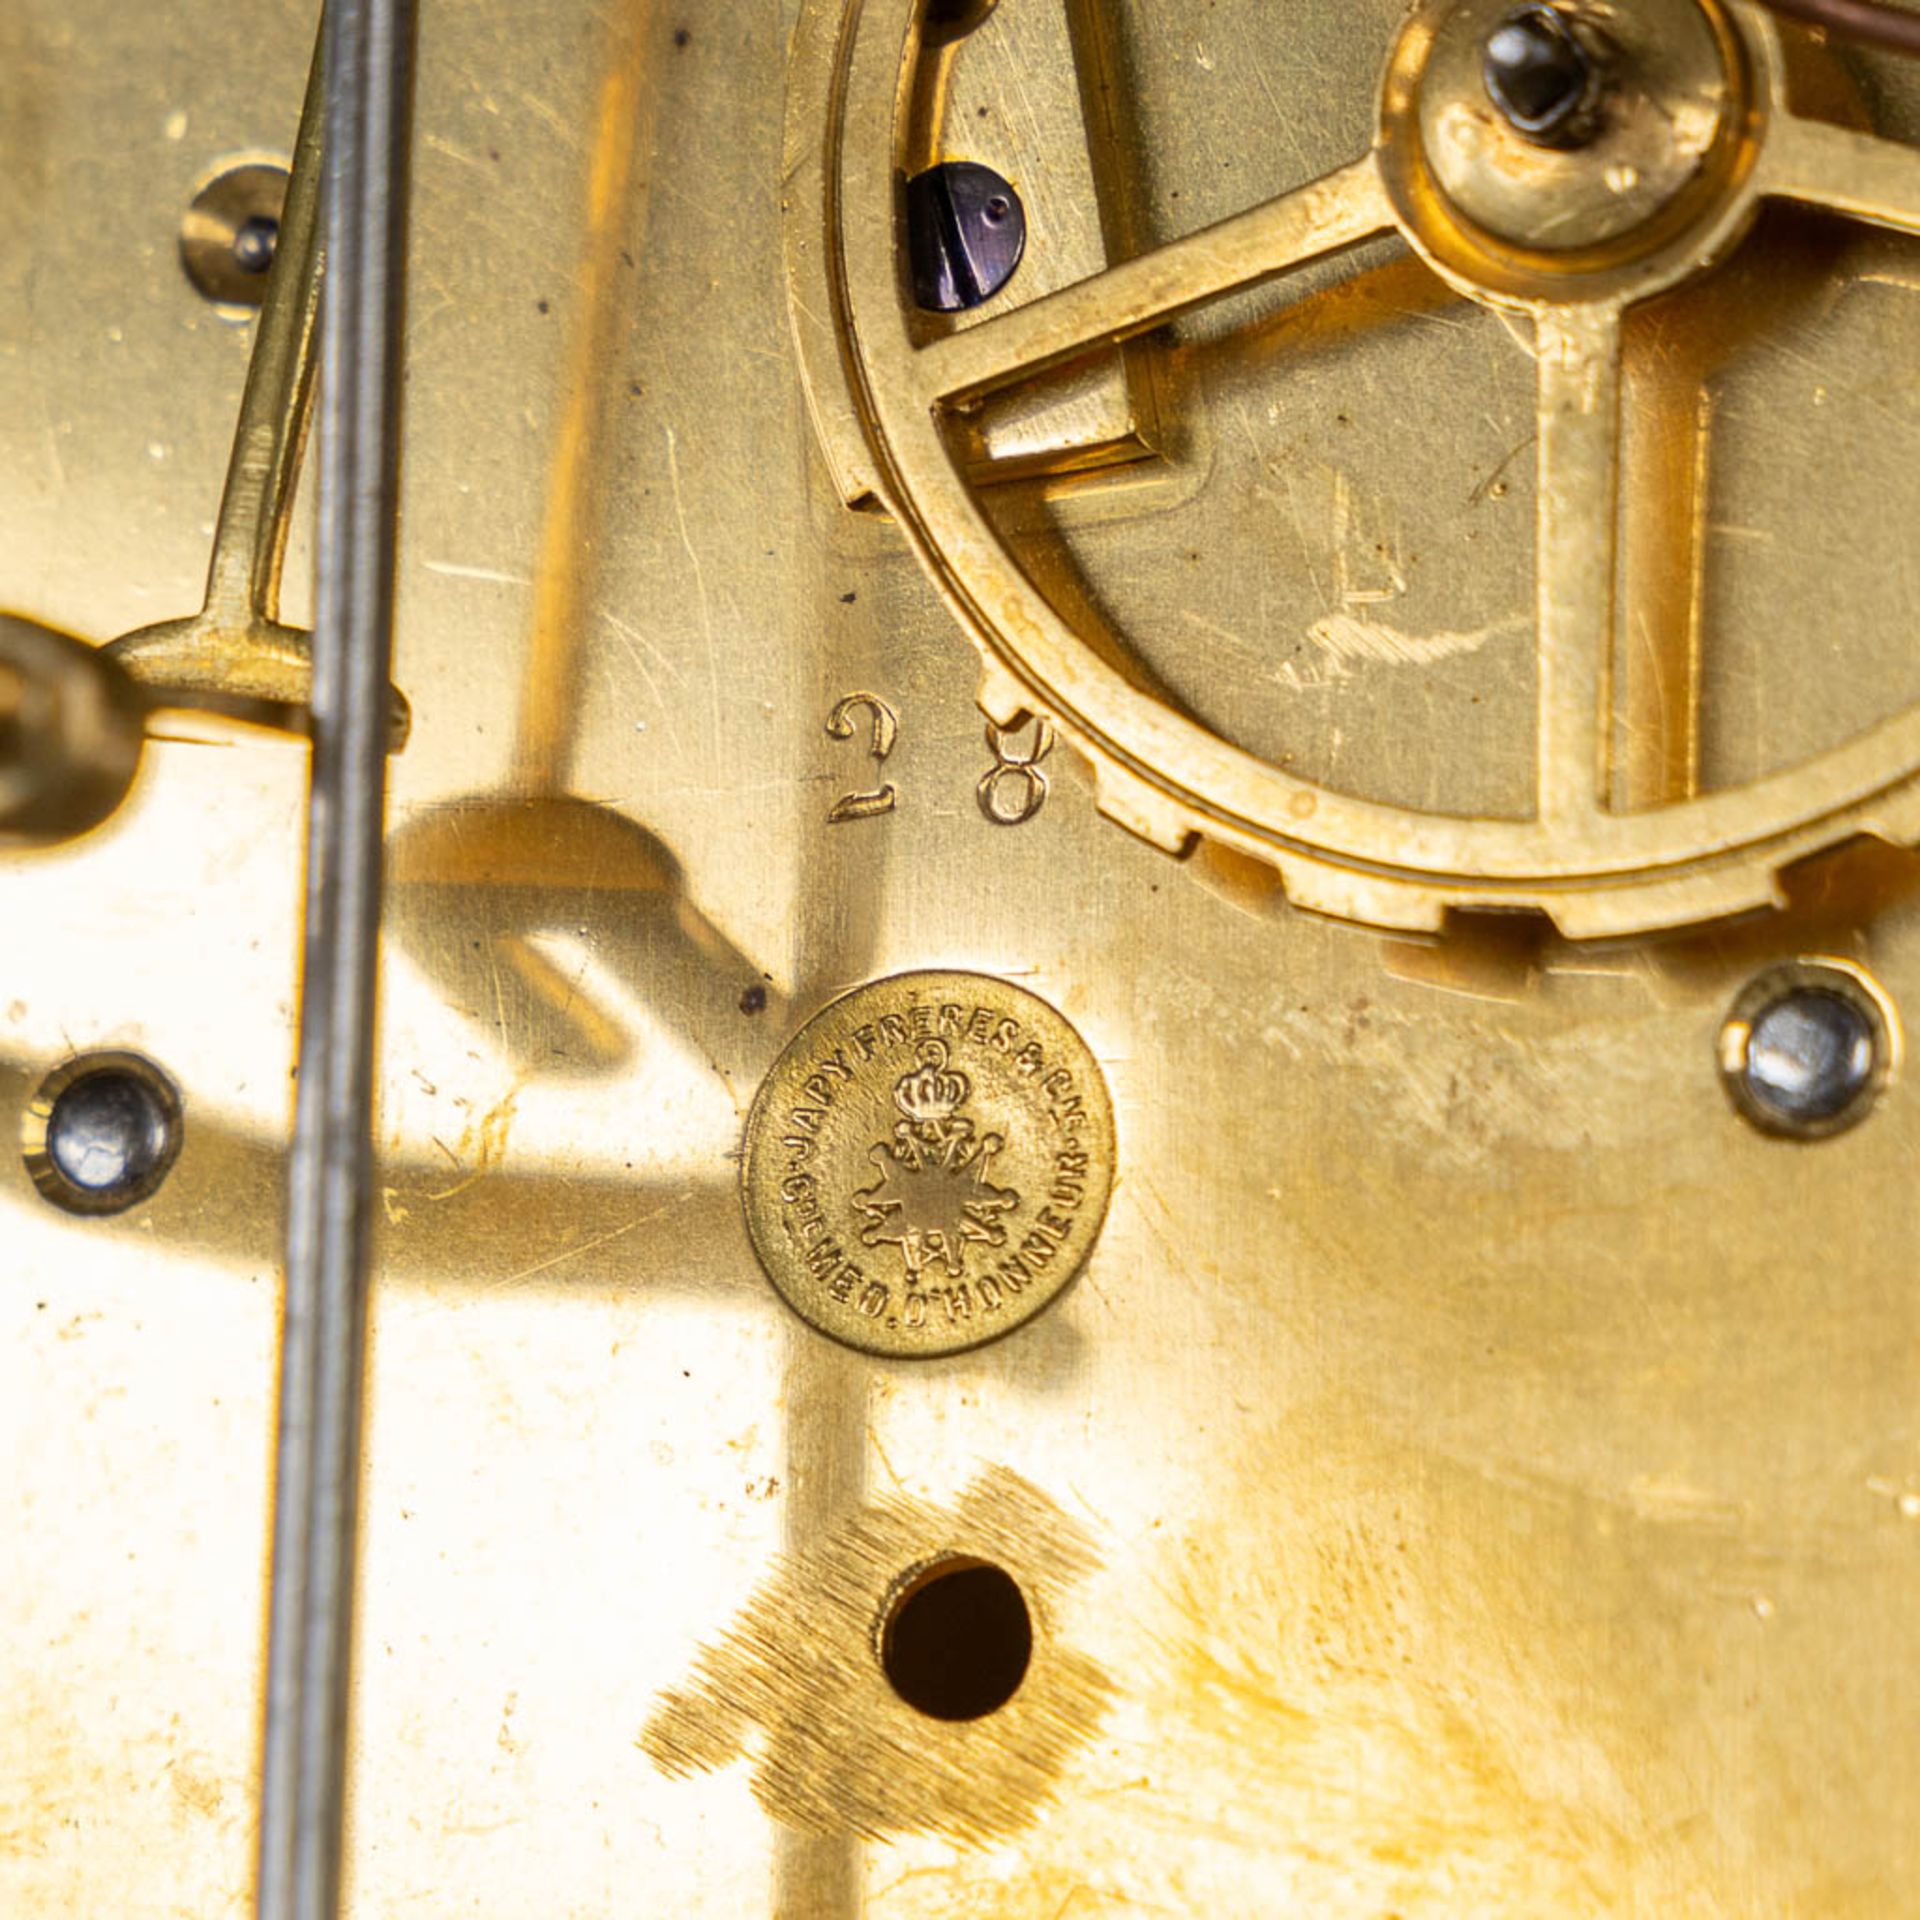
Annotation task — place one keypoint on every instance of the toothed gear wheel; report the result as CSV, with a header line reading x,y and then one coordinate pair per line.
x,y
1563,243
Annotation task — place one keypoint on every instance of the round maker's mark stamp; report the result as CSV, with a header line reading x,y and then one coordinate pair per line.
x,y
928,1163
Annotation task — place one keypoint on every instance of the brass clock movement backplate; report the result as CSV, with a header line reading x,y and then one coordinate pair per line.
x,y
1313,800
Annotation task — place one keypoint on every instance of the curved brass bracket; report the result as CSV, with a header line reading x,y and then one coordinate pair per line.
x,y
235,656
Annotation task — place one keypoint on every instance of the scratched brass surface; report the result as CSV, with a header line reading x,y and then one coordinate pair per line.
x,y
1475,1472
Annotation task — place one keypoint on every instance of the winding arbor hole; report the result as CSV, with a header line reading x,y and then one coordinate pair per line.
x,y
958,1640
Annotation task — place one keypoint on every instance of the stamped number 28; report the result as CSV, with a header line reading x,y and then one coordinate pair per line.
x,y
1011,791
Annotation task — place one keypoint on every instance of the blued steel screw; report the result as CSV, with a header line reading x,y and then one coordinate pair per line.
x,y
966,231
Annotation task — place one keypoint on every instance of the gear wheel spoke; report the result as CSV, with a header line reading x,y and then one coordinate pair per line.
x,y
1579,355
1326,216
1858,174
1556,243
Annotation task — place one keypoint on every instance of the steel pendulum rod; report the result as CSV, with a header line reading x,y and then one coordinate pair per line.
x,y
368,71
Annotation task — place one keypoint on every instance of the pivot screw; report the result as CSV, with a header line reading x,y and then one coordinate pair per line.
x,y
255,242
1805,1051
1544,76
107,1132
102,1132
966,231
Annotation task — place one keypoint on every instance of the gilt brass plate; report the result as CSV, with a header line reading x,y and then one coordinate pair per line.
x,y
928,1163
1475,1474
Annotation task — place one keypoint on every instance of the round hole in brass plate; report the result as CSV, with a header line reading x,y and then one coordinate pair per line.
x,y
957,1639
